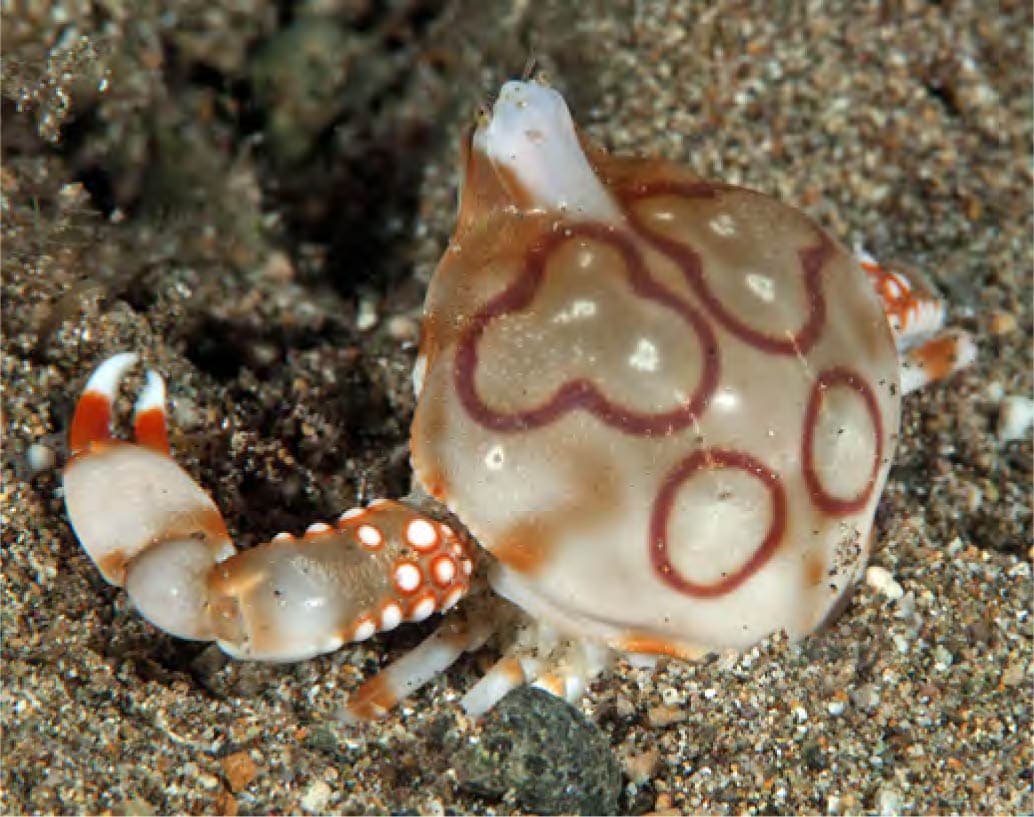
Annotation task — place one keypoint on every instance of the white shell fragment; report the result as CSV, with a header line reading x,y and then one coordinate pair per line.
x,y
881,580
1015,416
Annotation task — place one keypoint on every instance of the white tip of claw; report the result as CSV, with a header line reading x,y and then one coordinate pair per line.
x,y
152,396
532,137
109,374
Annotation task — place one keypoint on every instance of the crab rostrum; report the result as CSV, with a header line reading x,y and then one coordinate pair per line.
x,y
665,407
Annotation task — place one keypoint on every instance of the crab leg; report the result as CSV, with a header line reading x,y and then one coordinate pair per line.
x,y
565,676
430,658
143,520
935,359
916,316
152,529
585,660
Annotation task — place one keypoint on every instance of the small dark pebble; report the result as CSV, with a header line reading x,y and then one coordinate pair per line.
x,y
554,758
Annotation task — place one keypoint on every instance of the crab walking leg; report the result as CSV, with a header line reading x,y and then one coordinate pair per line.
x,y
585,660
526,658
506,674
455,636
935,359
916,316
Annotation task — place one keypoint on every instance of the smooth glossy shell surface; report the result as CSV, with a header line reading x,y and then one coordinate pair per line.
x,y
671,426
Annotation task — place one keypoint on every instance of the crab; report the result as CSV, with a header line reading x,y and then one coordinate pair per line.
x,y
661,409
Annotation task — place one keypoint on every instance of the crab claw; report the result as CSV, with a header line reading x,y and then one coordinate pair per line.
x,y
146,524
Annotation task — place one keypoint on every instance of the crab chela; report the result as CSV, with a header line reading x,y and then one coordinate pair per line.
x,y
657,413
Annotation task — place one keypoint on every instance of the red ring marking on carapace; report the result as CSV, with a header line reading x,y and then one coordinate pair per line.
x,y
711,458
581,392
838,376
812,260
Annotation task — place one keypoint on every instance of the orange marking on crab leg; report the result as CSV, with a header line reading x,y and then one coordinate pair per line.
x,y
506,674
418,666
553,683
913,309
374,699
91,422
149,425
936,359
645,644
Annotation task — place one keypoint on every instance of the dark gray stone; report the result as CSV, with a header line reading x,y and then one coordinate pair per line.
x,y
555,759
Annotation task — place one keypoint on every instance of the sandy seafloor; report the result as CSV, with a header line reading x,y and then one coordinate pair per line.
x,y
238,190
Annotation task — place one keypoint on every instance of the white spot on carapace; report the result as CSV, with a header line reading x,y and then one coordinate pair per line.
x,y
725,400
646,357
408,577
421,535
495,459
377,503
317,528
364,628
723,224
662,215
283,536
422,608
369,536
467,566
580,309
443,571
391,616
762,286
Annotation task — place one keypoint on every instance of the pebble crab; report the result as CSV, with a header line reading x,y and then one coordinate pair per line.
x,y
664,408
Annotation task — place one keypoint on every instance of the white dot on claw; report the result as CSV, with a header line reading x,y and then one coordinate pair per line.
x,y
444,570
421,534
364,628
391,616
369,536
407,577
283,537
351,513
317,527
422,609
452,597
